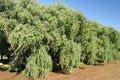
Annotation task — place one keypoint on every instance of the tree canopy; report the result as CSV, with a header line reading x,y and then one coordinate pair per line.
x,y
55,37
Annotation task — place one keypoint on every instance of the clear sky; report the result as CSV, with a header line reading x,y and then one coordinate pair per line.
x,y
106,12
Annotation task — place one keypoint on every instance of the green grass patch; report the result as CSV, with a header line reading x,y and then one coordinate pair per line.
x,y
5,67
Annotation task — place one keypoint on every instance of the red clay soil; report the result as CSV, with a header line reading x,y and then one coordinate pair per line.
x,y
110,71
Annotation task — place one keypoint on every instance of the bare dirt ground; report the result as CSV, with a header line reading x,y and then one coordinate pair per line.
x,y
110,71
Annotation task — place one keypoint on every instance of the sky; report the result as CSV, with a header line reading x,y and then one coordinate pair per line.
x,y
106,12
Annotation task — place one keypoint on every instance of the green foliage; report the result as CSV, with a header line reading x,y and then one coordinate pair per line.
x,y
70,55
98,46
38,64
6,5
53,37
5,67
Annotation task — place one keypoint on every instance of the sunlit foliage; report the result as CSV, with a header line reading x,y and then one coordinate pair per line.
x,y
54,37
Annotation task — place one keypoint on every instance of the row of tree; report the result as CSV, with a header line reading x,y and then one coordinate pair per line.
x,y
54,37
